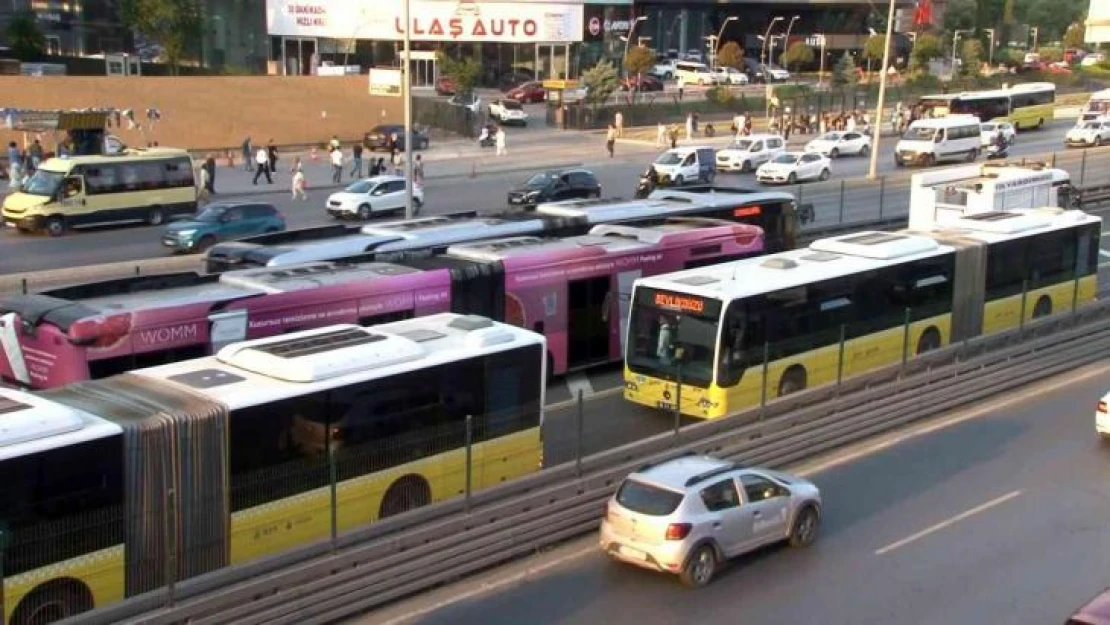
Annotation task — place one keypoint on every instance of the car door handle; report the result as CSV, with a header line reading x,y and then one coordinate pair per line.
x,y
756,513
717,526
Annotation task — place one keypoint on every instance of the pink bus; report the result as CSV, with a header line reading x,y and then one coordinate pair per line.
x,y
575,290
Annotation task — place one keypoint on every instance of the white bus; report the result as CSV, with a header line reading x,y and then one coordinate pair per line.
x,y
764,327
234,455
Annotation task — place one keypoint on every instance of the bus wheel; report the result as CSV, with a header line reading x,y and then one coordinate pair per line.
x,y
56,226
53,601
408,493
1040,122
1043,307
792,381
928,341
155,217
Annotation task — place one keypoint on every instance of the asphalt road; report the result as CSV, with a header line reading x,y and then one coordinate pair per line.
x,y
994,514
450,188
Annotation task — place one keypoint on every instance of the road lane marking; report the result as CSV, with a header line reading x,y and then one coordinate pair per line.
x,y
949,522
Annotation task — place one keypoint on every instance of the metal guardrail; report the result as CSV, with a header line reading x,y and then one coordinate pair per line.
x,y
430,546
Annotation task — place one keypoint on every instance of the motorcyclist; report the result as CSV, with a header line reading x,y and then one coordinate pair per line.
x,y
1000,143
648,181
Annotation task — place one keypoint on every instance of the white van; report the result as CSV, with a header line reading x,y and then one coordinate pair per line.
x,y
681,165
690,73
929,141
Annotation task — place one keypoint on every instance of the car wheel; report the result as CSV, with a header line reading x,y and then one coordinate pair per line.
x,y
834,153
746,167
700,568
806,526
364,212
865,150
824,175
206,242
423,144
155,217
930,160
1097,142
55,226
792,178
679,180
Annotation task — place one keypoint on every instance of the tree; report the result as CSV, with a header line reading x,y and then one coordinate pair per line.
x,y
959,15
639,60
464,71
971,56
844,72
925,49
1074,35
730,55
797,54
24,37
874,48
600,82
169,23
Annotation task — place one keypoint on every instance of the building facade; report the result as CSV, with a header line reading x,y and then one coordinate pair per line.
x,y
73,27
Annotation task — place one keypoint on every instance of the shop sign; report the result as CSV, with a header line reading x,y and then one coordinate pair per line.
x,y
431,20
604,22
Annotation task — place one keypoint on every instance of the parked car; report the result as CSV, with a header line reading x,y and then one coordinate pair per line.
x,y
369,196
508,112
792,167
555,186
834,144
776,73
664,70
747,153
1088,134
515,78
642,82
989,132
1093,59
469,101
531,91
681,165
445,85
378,137
221,221
688,515
691,73
730,76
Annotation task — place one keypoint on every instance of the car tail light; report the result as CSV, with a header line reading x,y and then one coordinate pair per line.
x,y
1102,407
678,531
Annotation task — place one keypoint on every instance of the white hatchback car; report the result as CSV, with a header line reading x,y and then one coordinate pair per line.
x,y
988,133
834,144
747,153
730,76
380,194
792,167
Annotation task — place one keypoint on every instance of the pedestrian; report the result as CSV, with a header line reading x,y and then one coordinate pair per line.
x,y
393,148
418,171
660,135
375,167
272,157
333,145
210,167
203,183
299,184
610,139
356,159
296,165
618,121
36,154
336,165
500,140
674,136
262,166
689,126
247,151
741,124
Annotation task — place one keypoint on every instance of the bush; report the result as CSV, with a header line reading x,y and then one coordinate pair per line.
x,y
927,82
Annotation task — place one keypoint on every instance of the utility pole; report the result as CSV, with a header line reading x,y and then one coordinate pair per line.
x,y
406,93
877,131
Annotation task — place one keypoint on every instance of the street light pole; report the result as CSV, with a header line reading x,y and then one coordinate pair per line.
x,y
877,131
628,40
1036,31
990,58
786,37
717,41
406,93
955,39
766,38
821,71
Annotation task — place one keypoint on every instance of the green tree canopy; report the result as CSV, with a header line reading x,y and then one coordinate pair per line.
x,y
1074,35
874,47
639,60
797,54
959,15
925,49
24,36
169,23
600,82
730,55
971,56
844,72
463,70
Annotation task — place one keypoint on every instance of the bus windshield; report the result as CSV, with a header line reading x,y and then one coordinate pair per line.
x,y
45,183
660,323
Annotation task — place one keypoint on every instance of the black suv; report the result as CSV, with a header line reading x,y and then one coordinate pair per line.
x,y
554,186
378,138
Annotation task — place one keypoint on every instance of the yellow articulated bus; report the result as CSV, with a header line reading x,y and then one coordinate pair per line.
x,y
1026,106
135,185
112,485
746,331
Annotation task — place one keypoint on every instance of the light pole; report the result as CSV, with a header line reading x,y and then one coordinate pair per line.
x,y
956,40
821,71
877,131
721,33
627,40
1036,31
990,58
786,37
406,93
766,38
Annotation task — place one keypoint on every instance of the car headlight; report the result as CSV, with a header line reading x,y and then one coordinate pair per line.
x,y
185,234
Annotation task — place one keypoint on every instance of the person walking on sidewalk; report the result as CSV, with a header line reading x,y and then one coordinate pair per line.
x,y
203,181
299,184
660,135
210,167
356,159
418,171
610,139
618,121
336,165
247,152
262,166
500,140
272,157
377,168
689,126
393,148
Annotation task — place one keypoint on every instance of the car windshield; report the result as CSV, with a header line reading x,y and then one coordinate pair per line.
x,y
742,144
362,186
919,133
1091,126
647,499
540,180
669,158
211,213
830,136
786,159
44,183
511,104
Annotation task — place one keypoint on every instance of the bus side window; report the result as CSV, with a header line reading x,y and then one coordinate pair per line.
x,y
731,365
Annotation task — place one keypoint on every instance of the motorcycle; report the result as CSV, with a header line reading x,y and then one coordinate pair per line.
x,y
488,136
646,186
995,151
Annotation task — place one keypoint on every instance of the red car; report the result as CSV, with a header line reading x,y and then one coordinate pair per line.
x,y
642,82
528,92
445,85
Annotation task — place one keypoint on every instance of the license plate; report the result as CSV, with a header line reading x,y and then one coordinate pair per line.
x,y
514,200
169,242
629,552
10,224
665,405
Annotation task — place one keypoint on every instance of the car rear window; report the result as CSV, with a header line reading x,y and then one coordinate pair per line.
x,y
647,499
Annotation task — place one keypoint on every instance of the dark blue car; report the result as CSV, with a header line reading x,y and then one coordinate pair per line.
x,y
221,221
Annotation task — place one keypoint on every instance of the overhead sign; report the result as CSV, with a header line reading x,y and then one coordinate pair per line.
x,y
560,84
385,81
815,41
431,20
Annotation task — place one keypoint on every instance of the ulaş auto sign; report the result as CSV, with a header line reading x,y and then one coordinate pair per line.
x,y
520,21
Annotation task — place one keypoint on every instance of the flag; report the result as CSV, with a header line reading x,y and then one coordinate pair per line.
x,y
923,14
